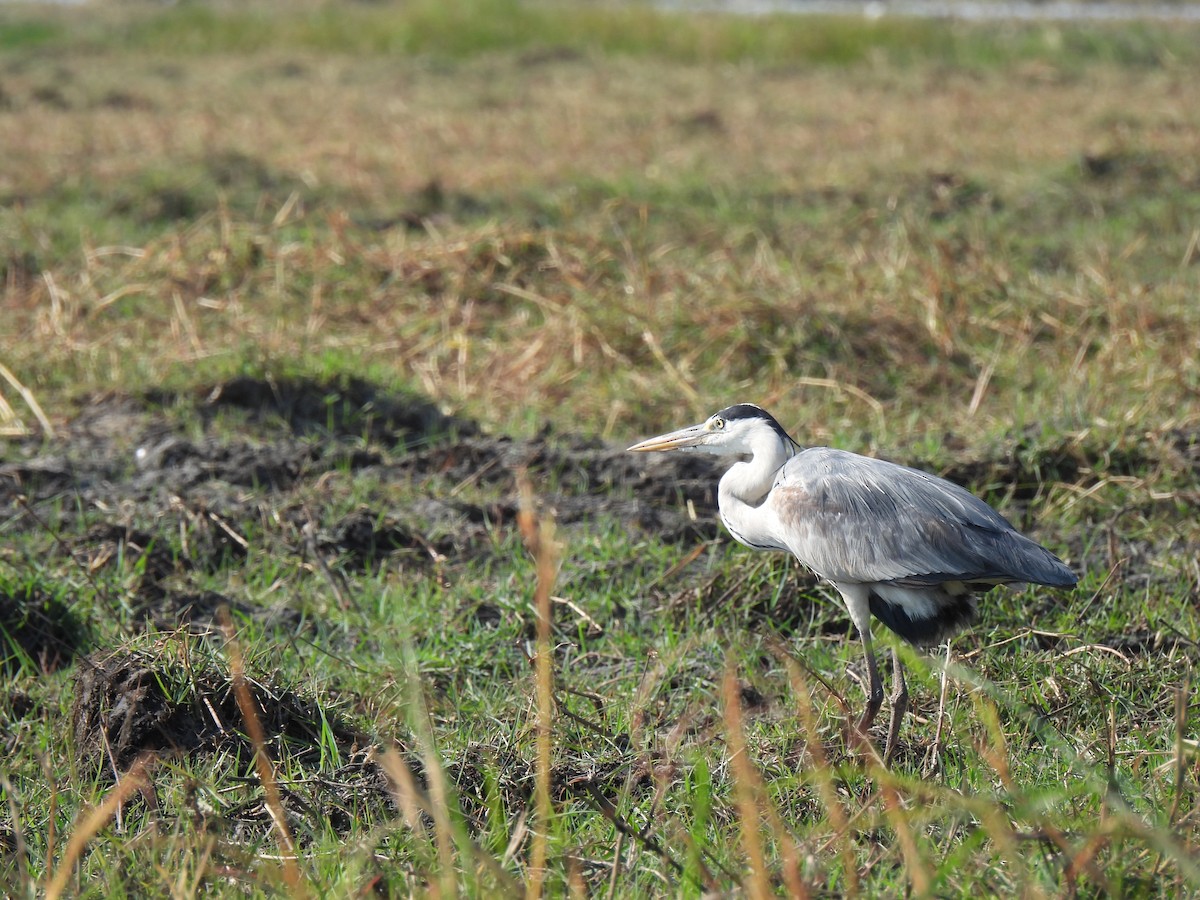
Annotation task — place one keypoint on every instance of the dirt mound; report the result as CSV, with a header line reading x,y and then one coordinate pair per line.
x,y
132,447
179,465
129,703
1022,468
464,528
578,481
128,451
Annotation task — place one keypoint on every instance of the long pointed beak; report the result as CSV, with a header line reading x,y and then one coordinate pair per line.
x,y
692,436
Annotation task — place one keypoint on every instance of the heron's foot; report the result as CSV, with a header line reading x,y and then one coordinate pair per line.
x,y
860,736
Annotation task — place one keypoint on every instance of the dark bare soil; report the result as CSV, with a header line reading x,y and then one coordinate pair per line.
x,y
130,460
130,463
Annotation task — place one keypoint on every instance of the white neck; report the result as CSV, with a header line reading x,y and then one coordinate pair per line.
x,y
745,486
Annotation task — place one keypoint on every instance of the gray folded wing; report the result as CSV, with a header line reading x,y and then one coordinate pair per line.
x,y
855,519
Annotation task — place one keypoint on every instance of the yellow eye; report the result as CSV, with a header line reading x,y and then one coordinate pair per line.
x,y
718,424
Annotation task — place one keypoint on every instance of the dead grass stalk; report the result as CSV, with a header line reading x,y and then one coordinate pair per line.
x,y
20,850
8,420
90,821
822,773
747,788
292,875
539,538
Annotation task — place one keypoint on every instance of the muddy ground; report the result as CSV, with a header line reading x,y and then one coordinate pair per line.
x,y
171,485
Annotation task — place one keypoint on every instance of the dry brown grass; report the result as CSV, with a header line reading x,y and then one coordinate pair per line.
x,y
388,127
485,307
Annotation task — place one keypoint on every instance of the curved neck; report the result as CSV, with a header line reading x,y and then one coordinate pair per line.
x,y
745,486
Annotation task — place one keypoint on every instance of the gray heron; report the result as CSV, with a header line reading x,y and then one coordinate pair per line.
x,y
908,547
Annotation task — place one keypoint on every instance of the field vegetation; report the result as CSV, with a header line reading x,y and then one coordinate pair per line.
x,y
322,570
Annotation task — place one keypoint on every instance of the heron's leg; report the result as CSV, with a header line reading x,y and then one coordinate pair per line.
x,y
899,708
874,686
858,603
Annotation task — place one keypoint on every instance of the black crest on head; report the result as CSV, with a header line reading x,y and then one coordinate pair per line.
x,y
750,411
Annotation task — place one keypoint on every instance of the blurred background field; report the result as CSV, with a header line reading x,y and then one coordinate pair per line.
x,y
289,291
899,207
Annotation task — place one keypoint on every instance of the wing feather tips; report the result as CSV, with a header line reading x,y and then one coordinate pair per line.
x,y
1038,565
1060,577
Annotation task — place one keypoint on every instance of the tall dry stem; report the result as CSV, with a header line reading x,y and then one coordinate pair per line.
x,y
919,878
89,822
539,538
747,788
20,852
262,761
822,772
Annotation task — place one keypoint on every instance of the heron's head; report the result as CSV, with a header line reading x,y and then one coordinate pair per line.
x,y
734,431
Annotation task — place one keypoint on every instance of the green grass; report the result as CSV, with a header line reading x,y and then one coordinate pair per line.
x,y
648,730
468,28
339,271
